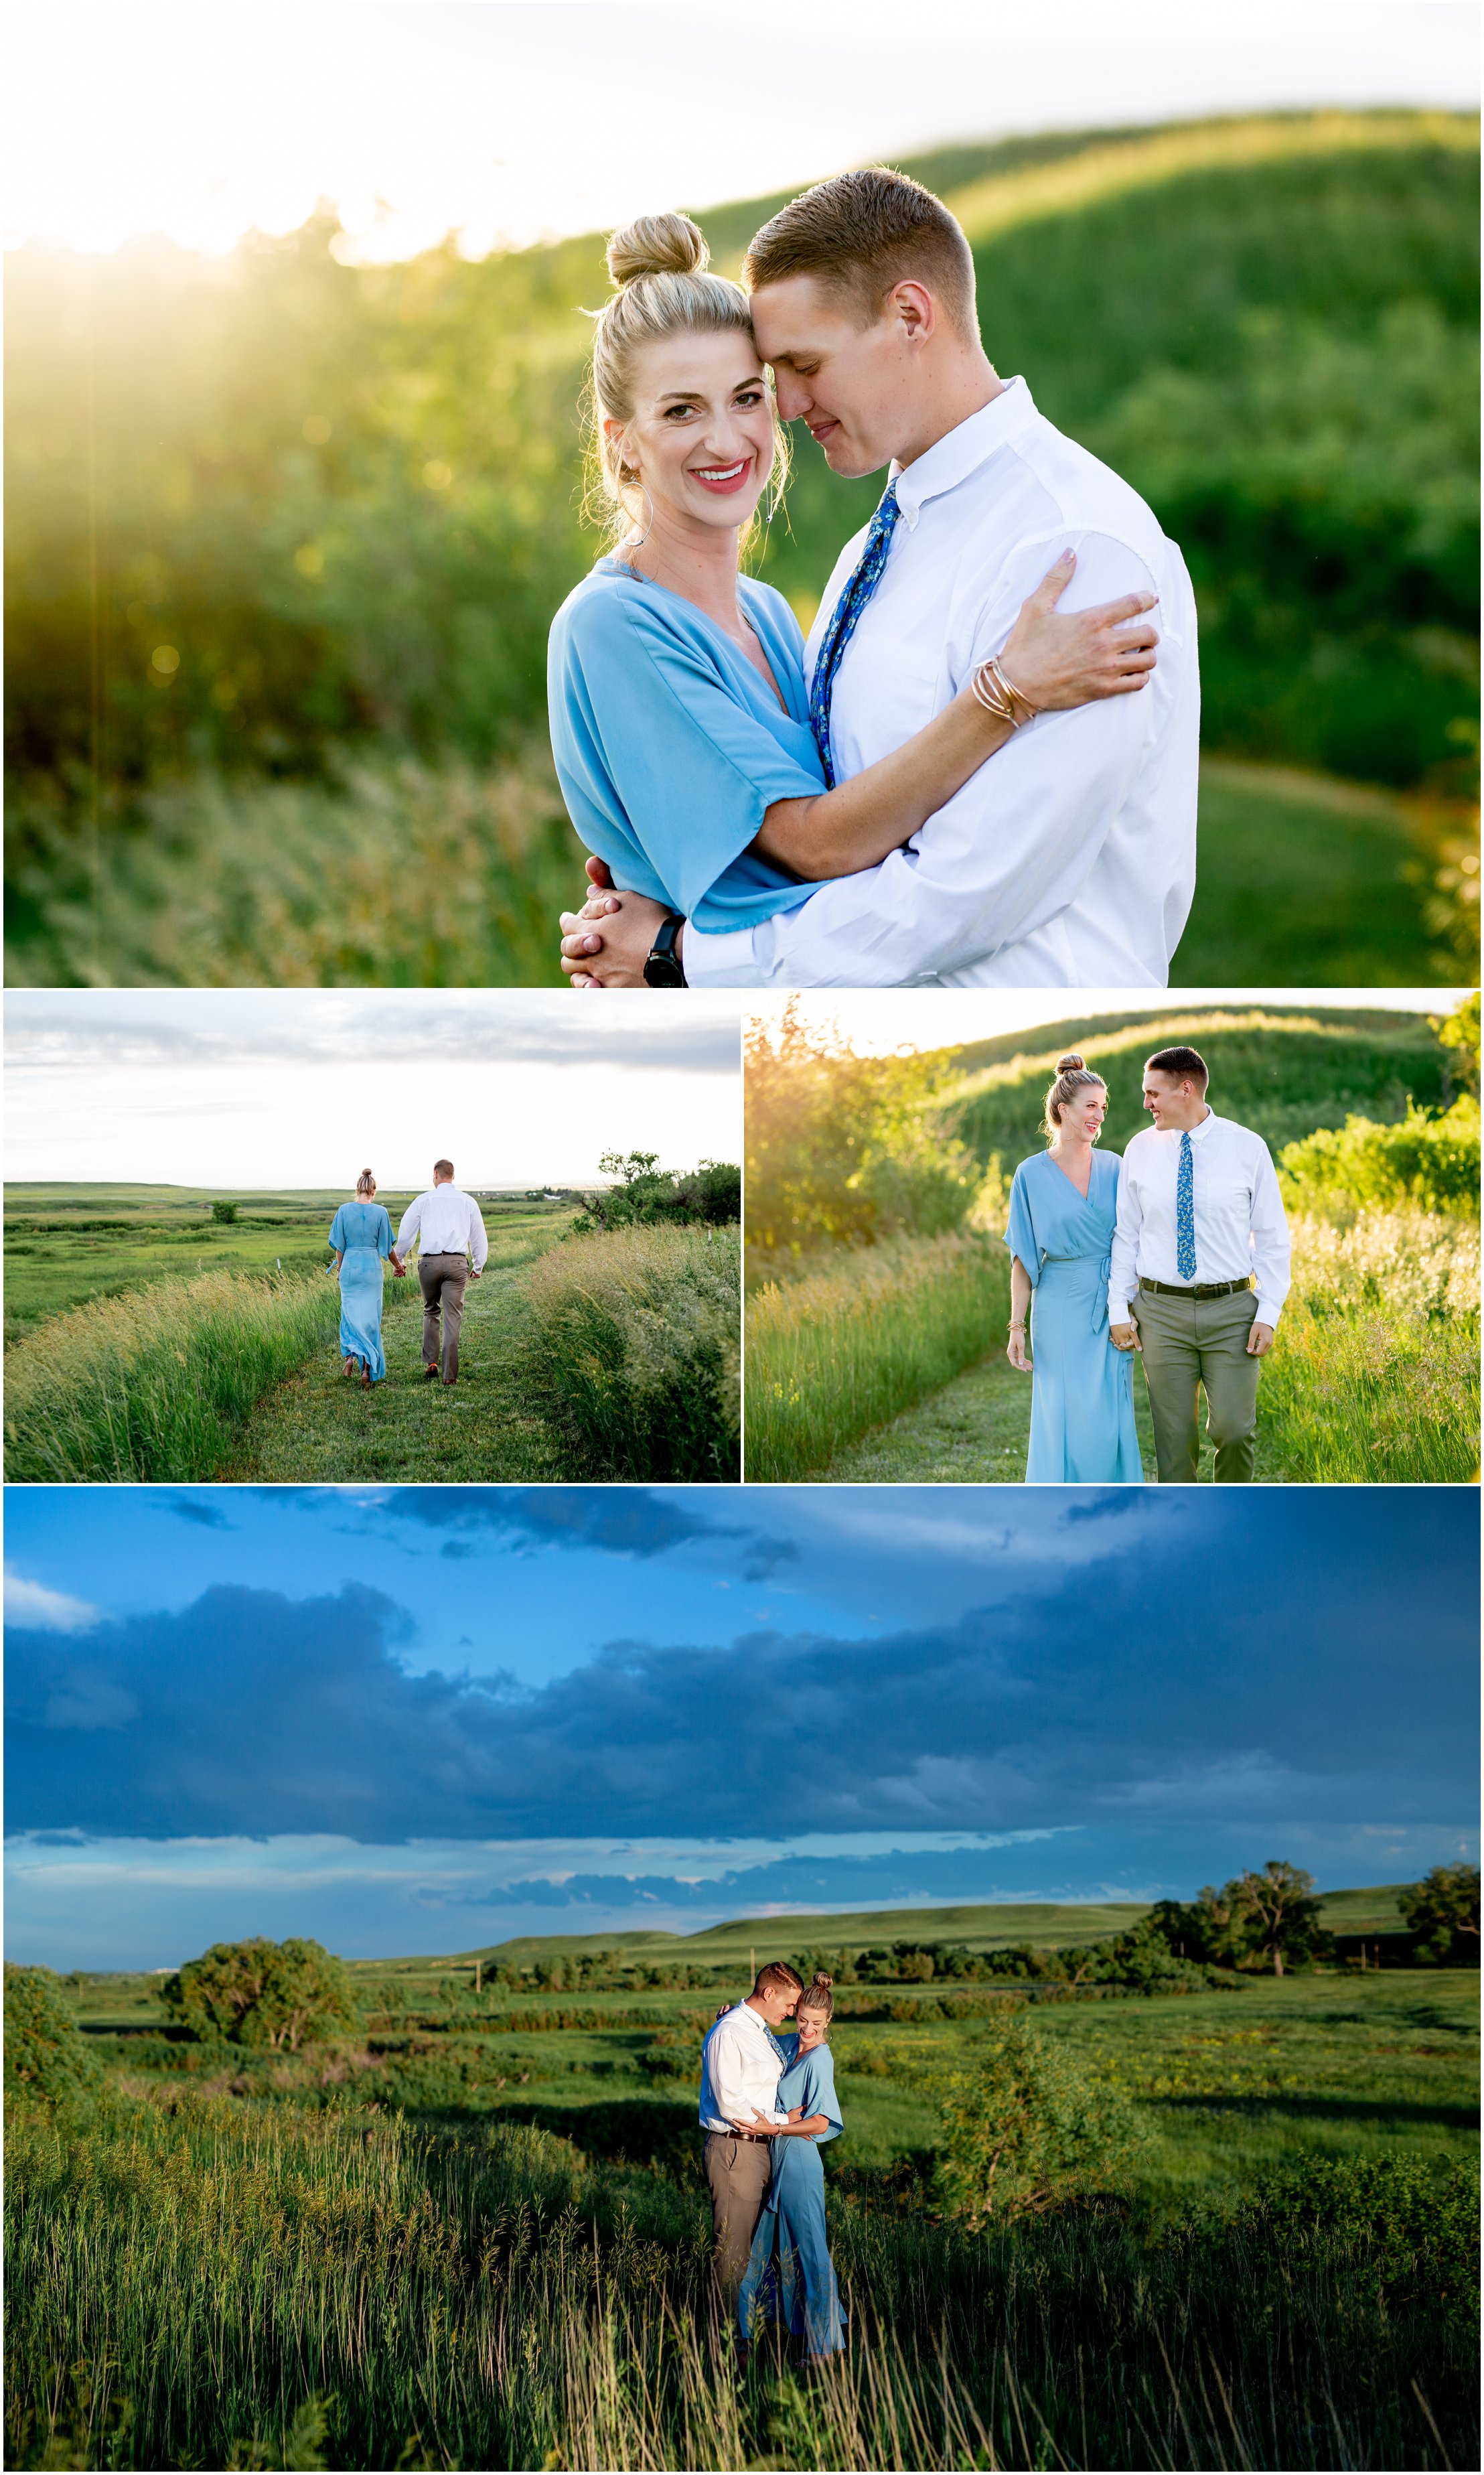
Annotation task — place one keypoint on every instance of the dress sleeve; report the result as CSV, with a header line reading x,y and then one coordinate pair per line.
x,y
693,770
1021,1236
384,1232
821,2097
336,1237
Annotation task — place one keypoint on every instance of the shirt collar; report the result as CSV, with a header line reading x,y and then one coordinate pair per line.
x,y
962,450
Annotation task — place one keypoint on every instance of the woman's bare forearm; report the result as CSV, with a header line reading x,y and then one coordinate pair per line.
x,y
860,821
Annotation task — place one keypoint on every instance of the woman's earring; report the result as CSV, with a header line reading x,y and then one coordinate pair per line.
x,y
632,481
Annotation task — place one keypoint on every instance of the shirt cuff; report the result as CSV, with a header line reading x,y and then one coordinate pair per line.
x,y
1267,1312
722,960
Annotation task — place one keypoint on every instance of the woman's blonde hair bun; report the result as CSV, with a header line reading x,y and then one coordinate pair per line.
x,y
364,1182
657,245
1071,1064
820,1978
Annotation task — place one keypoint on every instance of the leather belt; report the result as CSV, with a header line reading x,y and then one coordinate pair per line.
x,y
764,2135
1203,1289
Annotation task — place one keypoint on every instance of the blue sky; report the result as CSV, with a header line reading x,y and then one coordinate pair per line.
x,y
425,1719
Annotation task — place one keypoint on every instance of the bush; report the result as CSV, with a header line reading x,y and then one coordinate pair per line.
x,y
154,1383
1395,2229
1443,1915
632,1352
45,2052
281,1994
1429,1160
843,1349
1031,2127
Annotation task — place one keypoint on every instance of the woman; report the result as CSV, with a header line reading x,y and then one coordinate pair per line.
x,y
362,1236
679,716
790,2276
1063,1208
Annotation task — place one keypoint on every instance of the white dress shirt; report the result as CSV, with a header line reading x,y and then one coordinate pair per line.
x,y
739,2071
449,1223
1068,860
1241,1227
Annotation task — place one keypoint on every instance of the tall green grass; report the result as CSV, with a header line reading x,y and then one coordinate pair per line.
x,y
1375,1372
210,2284
631,1352
154,1385
392,875
844,1348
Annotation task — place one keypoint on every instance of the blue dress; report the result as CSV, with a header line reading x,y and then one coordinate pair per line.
x,y
670,745
1081,1398
363,1233
790,2276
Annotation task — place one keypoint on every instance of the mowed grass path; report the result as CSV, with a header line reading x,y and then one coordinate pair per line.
x,y
318,1427
978,1429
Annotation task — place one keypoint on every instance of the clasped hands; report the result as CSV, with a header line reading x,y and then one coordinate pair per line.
x,y
615,956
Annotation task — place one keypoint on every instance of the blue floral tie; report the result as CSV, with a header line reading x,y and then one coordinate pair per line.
x,y
1185,1211
842,624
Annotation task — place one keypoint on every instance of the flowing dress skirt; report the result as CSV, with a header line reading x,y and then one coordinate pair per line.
x,y
790,2276
1081,1393
360,1309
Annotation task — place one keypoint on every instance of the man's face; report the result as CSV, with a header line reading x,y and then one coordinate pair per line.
x,y
778,2001
852,385
1171,1102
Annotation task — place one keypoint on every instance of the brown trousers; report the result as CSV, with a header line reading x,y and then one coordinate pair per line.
x,y
1189,1342
442,1280
739,2172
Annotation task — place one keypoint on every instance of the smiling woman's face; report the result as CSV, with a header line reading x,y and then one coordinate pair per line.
x,y
701,436
812,2026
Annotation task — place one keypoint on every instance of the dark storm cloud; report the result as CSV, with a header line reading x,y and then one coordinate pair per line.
x,y
200,1509
618,1520
1124,1690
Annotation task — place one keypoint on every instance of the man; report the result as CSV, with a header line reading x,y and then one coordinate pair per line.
x,y
1201,1243
740,2062
453,1250
1067,859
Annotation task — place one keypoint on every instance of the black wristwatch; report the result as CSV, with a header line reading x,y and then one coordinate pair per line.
x,y
663,971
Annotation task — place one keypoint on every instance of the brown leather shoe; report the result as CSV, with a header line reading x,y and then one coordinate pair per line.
x,y
429,1374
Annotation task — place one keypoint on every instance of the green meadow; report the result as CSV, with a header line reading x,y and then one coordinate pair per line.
x,y
472,2230
147,1338
879,1285
277,608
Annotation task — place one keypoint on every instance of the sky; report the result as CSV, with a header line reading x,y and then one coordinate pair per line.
x,y
875,1021
425,1720
278,1087
510,123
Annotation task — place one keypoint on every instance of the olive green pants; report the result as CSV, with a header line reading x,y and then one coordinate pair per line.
x,y
739,2172
1189,1342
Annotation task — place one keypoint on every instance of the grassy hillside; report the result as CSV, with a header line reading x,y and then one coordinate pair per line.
x,y
1281,1072
331,511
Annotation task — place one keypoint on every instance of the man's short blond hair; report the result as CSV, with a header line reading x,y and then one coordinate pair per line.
x,y
860,235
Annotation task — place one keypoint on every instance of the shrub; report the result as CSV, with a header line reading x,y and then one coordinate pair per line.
x,y
45,2052
1032,2126
1442,1914
631,1354
282,1994
1430,1158
1399,2231
154,1383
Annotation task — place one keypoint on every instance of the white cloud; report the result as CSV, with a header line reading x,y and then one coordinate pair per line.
x,y
33,1604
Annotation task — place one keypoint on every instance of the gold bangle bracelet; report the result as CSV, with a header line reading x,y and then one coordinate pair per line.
x,y
989,694
1010,687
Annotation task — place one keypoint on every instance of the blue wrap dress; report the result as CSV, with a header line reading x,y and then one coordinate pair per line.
x,y
1082,1397
670,747
363,1233
790,2276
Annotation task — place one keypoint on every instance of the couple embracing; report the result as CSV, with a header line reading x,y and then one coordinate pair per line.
x,y
981,769
1178,1253
767,2105
452,1250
